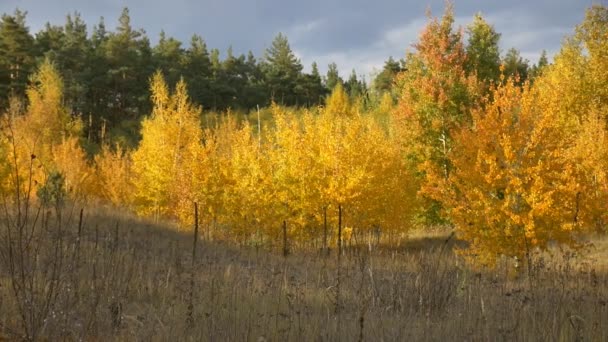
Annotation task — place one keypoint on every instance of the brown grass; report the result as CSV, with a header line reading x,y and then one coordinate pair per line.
x,y
127,279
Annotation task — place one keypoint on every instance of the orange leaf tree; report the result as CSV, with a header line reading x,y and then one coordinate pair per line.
x,y
512,188
436,99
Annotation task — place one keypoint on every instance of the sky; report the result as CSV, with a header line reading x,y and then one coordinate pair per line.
x,y
355,34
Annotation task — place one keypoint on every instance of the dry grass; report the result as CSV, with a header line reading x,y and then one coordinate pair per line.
x,y
127,279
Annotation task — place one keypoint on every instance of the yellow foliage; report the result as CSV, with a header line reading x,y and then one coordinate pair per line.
x,y
113,179
338,103
70,160
45,138
513,171
574,89
511,189
170,141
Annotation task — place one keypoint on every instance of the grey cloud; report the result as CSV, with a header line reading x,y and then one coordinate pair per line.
x,y
356,33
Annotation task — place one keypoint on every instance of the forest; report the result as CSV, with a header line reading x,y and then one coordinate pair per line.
x,y
506,158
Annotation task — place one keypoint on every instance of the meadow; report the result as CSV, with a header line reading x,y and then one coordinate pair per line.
x,y
108,275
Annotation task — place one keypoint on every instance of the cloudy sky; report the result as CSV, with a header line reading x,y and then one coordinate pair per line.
x,y
358,34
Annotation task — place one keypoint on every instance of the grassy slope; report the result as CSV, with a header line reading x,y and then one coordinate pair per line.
x,y
128,279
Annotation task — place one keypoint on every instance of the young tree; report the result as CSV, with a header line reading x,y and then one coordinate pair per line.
x,y
171,138
46,137
436,99
113,176
574,88
511,189
338,103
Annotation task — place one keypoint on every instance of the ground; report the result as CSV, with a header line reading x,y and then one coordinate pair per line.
x,y
118,277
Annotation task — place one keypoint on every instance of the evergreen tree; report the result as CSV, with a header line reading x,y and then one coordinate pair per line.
x,y
483,53
16,55
333,77
48,42
197,71
168,56
98,95
282,70
312,89
538,68
515,65
222,90
354,87
255,90
216,79
128,56
543,61
74,63
385,79
235,79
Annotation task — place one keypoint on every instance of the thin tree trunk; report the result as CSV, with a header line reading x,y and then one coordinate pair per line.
x,y
337,309
285,248
325,246
339,229
190,314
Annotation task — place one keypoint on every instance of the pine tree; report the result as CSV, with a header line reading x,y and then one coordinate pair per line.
x,y
312,90
354,87
539,67
516,66
16,55
99,83
49,41
385,79
128,55
74,64
255,90
168,56
332,79
282,70
483,52
197,71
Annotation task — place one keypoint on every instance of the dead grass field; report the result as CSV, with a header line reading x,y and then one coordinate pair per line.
x,y
117,277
